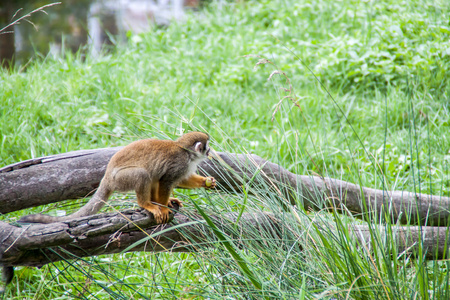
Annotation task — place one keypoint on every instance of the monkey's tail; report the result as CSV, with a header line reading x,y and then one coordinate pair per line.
x,y
7,276
97,201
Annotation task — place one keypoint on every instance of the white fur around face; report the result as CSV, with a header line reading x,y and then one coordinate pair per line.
x,y
198,159
192,167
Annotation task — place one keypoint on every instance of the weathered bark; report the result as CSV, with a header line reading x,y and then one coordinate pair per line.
x,y
37,244
52,178
77,174
433,241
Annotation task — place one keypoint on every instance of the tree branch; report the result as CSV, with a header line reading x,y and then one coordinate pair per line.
x,y
37,244
76,175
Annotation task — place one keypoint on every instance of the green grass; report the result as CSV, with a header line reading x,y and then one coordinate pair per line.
x,y
387,67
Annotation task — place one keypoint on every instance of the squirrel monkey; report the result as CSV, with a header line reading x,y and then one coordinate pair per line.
x,y
152,168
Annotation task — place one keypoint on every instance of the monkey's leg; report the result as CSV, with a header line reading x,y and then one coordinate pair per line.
x,y
147,202
150,193
139,180
164,191
197,181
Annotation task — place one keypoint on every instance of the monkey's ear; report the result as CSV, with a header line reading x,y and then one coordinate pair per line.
x,y
198,147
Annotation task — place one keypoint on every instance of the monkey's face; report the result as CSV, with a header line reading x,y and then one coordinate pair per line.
x,y
202,149
196,142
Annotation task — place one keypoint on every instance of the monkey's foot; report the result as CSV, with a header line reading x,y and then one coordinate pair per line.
x,y
161,214
164,214
171,200
209,183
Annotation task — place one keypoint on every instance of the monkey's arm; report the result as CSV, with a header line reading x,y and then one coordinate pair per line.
x,y
197,181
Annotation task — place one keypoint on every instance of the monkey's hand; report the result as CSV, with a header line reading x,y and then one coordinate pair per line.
x,y
209,183
180,204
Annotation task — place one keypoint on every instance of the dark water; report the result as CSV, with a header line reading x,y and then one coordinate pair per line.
x,y
75,23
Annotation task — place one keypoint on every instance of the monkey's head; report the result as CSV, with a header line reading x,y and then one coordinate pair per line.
x,y
197,143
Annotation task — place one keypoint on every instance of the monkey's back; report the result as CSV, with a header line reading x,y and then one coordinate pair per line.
x,y
158,157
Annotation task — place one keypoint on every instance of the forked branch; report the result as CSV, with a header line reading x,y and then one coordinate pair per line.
x,y
76,175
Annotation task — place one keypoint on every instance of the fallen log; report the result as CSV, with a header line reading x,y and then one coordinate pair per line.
x,y
38,244
76,175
